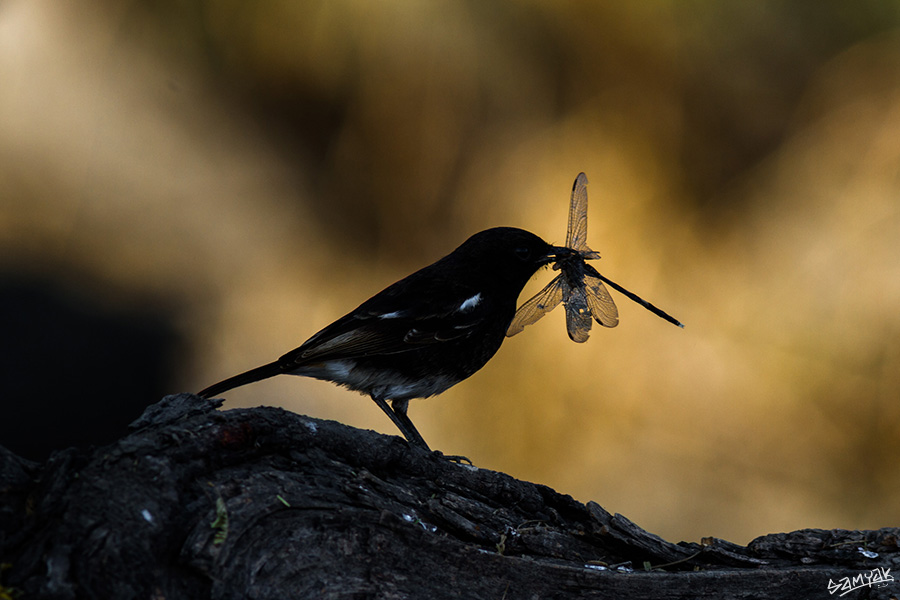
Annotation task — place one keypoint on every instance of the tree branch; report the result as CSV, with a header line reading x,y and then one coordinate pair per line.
x,y
265,503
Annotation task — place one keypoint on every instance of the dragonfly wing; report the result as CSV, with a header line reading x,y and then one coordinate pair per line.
x,y
578,312
600,302
537,306
576,234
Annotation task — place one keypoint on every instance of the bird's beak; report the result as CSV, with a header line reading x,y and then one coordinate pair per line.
x,y
555,253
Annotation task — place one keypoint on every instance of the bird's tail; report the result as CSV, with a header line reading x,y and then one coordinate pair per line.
x,y
257,374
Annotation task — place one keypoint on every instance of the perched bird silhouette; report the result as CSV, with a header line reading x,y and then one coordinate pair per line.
x,y
423,334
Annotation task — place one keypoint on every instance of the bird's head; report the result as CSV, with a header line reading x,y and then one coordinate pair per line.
x,y
507,255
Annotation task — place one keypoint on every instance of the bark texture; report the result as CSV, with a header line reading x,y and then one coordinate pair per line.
x,y
264,503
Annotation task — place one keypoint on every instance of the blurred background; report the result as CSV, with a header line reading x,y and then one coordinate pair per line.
x,y
189,190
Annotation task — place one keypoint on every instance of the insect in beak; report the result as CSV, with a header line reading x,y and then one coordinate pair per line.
x,y
579,286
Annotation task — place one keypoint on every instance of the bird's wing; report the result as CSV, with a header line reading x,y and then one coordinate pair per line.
x,y
399,319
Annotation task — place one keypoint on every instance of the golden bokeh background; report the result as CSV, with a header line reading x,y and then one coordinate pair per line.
x,y
259,169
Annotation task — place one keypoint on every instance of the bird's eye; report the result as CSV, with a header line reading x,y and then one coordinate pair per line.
x,y
523,252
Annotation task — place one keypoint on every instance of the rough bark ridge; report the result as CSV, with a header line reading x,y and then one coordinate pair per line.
x,y
264,503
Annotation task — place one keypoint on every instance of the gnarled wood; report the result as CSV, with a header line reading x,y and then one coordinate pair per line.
x,y
264,503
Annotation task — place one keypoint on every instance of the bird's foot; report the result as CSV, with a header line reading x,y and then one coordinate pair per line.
x,y
457,458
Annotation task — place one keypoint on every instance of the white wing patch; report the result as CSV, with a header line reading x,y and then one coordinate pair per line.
x,y
470,303
391,315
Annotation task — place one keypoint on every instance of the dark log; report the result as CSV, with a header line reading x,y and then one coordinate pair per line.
x,y
264,503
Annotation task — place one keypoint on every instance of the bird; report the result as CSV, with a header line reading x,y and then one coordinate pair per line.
x,y
423,334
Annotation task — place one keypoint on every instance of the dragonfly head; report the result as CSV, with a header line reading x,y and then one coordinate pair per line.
x,y
554,254
563,254
560,252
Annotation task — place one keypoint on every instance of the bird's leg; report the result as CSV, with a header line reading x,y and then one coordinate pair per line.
x,y
400,411
397,414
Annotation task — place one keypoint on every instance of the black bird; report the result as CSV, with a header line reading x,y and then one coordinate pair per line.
x,y
423,334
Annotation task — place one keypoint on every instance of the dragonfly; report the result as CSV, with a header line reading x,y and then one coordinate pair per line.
x,y
579,287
